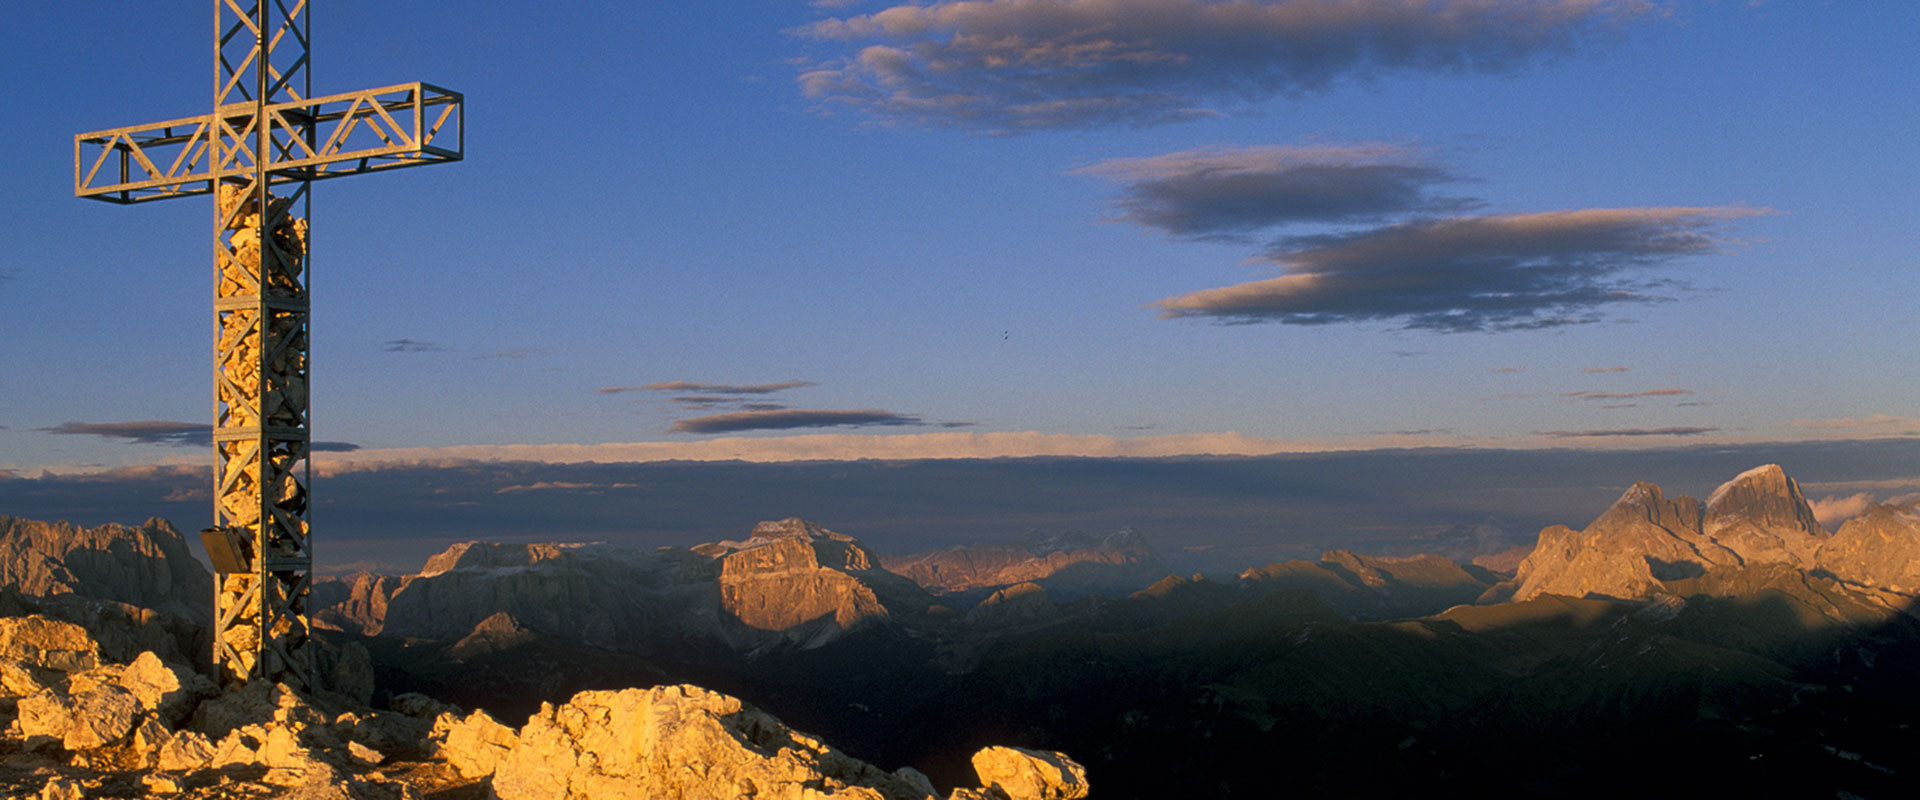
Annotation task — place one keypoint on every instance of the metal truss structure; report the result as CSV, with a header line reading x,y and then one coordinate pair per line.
x,y
267,134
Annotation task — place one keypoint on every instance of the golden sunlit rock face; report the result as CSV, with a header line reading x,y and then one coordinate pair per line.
x,y
260,428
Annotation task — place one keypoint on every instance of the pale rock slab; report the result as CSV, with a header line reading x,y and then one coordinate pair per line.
x,y
683,742
1023,774
474,745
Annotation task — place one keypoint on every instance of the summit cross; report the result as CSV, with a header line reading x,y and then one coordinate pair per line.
x,y
266,133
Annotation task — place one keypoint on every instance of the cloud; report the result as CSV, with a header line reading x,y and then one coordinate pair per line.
x,y
1831,511
1504,370
710,388
1600,370
1229,192
1473,273
1626,395
1006,66
409,346
1884,424
786,419
515,353
176,434
562,486
1628,432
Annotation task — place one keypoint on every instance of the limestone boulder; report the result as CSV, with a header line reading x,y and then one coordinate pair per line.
x,y
473,745
684,742
167,691
38,641
93,718
1022,774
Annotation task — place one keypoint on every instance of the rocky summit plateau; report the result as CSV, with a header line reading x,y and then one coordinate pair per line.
x,y
1670,646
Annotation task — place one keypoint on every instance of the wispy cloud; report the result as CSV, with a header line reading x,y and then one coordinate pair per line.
x,y
708,388
1669,392
1475,273
1682,431
787,419
1505,370
409,346
1883,424
174,434
1224,192
1006,66
1601,370
515,353
562,486
142,432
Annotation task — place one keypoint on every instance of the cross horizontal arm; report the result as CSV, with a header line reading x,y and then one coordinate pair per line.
x,y
408,125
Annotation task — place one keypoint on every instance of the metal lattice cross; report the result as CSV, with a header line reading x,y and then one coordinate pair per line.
x,y
267,133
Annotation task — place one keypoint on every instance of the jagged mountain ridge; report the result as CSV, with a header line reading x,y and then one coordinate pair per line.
x,y
1067,565
790,583
1646,541
146,565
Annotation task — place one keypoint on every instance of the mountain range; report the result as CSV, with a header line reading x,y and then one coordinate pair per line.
x,y
1730,644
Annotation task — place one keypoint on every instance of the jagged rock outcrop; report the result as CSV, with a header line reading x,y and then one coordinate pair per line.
x,y
147,565
1372,587
1068,566
688,742
1762,518
1019,604
791,583
1646,540
356,603
1879,548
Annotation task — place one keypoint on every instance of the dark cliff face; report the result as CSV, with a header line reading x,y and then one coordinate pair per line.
x,y
147,565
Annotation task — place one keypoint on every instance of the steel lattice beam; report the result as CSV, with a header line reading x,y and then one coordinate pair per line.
x,y
409,125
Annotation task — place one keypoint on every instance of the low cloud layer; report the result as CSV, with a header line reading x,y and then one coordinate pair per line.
x,y
1231,192
1474,273
1249,510
1007,66
1590,395
1618,432
788,419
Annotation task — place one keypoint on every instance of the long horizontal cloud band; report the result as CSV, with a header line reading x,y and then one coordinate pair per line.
x,y
1496,272
1011,65
788,419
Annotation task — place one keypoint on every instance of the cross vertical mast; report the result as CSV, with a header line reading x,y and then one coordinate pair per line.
x,y
261,435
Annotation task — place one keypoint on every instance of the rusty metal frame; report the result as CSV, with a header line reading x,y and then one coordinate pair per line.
x,y
267,132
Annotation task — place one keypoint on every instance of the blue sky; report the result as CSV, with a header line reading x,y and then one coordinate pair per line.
x,y
1014,227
